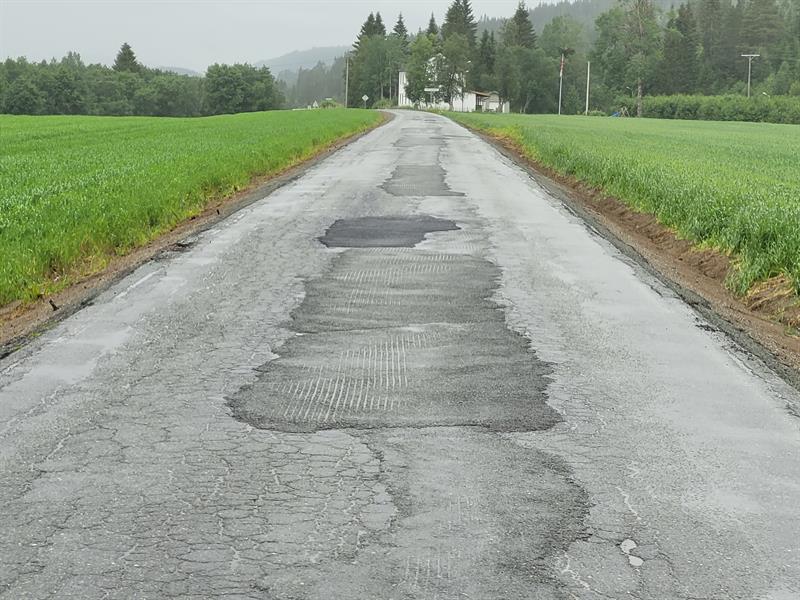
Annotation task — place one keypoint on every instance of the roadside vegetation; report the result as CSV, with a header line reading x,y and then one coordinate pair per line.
x,y
76,191
730,186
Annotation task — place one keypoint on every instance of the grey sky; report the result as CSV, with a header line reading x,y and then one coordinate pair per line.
x,y
194,34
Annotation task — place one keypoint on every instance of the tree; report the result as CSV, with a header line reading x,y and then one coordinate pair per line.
x,y
460,20
126,60
380,28
240,88
23,97
482,73
368,29
433,28
680,64
419,72
453,66
518,30
401,33
563,32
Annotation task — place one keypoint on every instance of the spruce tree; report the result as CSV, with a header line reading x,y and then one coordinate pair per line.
x,y
433,28
380,28
679,67
518,30
460,20
126,60
401,33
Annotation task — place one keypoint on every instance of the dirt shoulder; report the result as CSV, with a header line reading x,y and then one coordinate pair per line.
x,y
765,322
20,322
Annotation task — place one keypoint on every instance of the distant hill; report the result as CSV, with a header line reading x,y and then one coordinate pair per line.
x,y
181,71
303,59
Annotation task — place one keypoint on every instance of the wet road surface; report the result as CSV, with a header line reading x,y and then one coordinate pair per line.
x,y
410,374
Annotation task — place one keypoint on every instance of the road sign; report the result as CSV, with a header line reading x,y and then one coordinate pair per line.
x,y
432,89
365,97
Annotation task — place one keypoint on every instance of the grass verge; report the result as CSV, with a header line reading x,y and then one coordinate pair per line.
x,y
76,191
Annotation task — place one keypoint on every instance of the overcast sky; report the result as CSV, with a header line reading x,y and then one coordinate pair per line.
x,y
194,34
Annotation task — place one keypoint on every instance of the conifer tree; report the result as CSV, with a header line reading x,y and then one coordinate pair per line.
x,y
433,28
126,60
380,28
401,33
518,30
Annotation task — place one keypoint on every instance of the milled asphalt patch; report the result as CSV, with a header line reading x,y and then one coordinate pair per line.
x,y
396,337
419,180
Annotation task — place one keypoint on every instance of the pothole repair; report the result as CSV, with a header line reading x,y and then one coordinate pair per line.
x,y
383,232
419,180
399,337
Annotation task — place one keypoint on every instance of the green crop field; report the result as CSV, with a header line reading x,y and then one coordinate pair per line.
x,y
75,191
731,186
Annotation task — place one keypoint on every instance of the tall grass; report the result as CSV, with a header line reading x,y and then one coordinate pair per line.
x,y
75,191
732,186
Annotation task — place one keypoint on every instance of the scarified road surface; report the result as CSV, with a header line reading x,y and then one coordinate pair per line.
x,y
410,374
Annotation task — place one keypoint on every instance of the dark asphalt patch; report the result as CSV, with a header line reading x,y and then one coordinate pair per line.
x,y
418,180
383,232
400,338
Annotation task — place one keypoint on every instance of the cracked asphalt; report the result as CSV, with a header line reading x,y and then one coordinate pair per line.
x,y
409,374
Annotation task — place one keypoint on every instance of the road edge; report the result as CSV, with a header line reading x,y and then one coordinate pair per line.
x,y
701,305
31,323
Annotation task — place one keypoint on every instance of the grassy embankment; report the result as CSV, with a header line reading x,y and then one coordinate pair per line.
x,y
730,186
76,191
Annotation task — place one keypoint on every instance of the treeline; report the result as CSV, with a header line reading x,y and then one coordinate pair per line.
x,y
70,87
636,49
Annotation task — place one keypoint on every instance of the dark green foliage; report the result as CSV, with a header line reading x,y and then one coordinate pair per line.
x,y
680,62
126,60
775,109
459,20
518,30
69,87
239,88
433,28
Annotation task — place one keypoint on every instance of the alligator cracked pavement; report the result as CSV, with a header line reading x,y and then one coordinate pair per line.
x,y
408,374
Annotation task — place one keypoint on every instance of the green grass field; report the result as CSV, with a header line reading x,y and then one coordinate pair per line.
x,y
75,191
731,186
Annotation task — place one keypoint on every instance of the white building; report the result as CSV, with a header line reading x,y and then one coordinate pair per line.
x,y
468,101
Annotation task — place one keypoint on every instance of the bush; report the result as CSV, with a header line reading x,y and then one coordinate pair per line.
x,y
764,109
383,103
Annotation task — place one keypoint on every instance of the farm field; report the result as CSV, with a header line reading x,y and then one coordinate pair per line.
x,y
731,186
76,190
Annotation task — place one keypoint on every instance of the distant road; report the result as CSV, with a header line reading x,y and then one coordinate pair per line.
x,y
408,374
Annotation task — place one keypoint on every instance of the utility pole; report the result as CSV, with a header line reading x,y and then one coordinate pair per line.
x,y
346,78
560,81
588,75
749,58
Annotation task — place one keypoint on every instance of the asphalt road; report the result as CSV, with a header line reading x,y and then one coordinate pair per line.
x,y
409,374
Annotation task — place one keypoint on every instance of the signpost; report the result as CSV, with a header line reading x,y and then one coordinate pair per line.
x,y
365,98
431,91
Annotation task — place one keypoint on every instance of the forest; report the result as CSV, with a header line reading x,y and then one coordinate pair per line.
x,y
637,48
